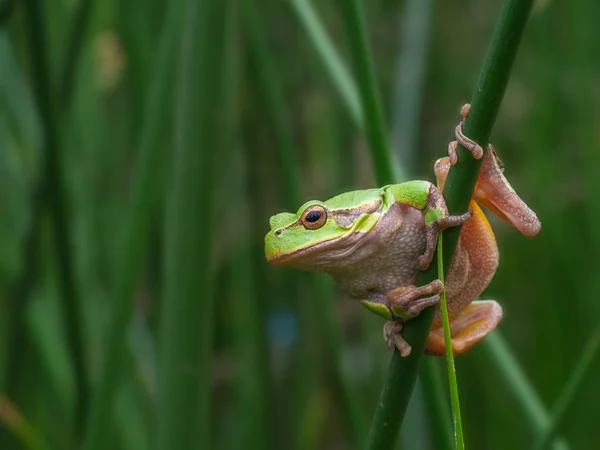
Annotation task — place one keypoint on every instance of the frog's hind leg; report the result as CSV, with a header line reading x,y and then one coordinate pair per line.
x,y
470,326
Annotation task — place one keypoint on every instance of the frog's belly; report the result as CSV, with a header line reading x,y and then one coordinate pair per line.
x,y
389,266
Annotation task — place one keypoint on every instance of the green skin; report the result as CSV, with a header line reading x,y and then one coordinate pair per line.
x,y
373,242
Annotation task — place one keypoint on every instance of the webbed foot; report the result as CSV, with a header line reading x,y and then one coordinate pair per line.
x,y
495,192
407,301
392,333
470,326
463,140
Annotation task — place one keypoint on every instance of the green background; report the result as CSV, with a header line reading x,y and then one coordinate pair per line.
x,y
243,120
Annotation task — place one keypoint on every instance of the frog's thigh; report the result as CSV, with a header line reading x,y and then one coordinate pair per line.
x,y
472,324
473,265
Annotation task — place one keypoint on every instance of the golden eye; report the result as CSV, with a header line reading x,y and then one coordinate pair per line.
x,y
314,217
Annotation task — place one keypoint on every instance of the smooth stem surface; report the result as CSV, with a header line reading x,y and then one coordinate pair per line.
x,y
567,395
437,403
53,176
458,191
146,196
186,327
375,129
459,441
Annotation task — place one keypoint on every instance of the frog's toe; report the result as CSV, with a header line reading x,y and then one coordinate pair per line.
x,y
392,333
452,155
472,146
408,301
472,324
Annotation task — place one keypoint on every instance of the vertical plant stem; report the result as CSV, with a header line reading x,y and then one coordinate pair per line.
x,y
288,155
454,400
412,57
340,76
437,404
567,395
146,196
458,190
53,175
506,365
24,284
415,28
186,327
79,24
384,165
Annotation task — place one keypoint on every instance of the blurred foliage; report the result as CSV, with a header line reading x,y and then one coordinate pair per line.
x,y
285,371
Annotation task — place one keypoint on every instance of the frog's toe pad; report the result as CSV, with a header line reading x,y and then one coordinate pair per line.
x,y
392,333
473,323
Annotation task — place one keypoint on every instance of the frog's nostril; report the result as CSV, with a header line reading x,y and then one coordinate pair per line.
x,y
278,232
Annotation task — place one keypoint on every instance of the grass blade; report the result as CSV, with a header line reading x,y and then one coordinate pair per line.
x,y
459,439
506,364
437,405
290,169
53,182
375,129
144,204
339,73
186,327
411,64
458,190
567,395
79,25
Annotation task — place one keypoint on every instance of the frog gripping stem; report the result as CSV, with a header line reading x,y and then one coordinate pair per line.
x,y
463,140
437,218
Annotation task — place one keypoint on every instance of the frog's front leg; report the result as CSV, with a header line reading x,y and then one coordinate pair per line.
x,y
437,219
405,303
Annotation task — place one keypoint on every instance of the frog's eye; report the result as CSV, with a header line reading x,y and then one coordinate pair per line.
x,y
314,217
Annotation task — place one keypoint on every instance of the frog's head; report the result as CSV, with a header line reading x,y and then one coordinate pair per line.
x,y
323,232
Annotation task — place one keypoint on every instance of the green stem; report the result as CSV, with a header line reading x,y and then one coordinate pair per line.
x,y
458,191
146,196
53,176
454,400
572,386
384,165
79,24
270,86
567,395
410,76
186,328
339,73
437,404
20,292
506,365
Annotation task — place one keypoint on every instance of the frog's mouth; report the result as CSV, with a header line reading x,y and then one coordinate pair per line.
x,y
319,256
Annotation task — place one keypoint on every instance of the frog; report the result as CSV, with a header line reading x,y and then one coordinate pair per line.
x,y
375,242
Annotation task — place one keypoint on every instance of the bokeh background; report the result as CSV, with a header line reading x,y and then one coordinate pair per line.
x,y
144,146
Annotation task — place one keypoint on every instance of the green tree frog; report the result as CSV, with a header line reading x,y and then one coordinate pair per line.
x,y
374,242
